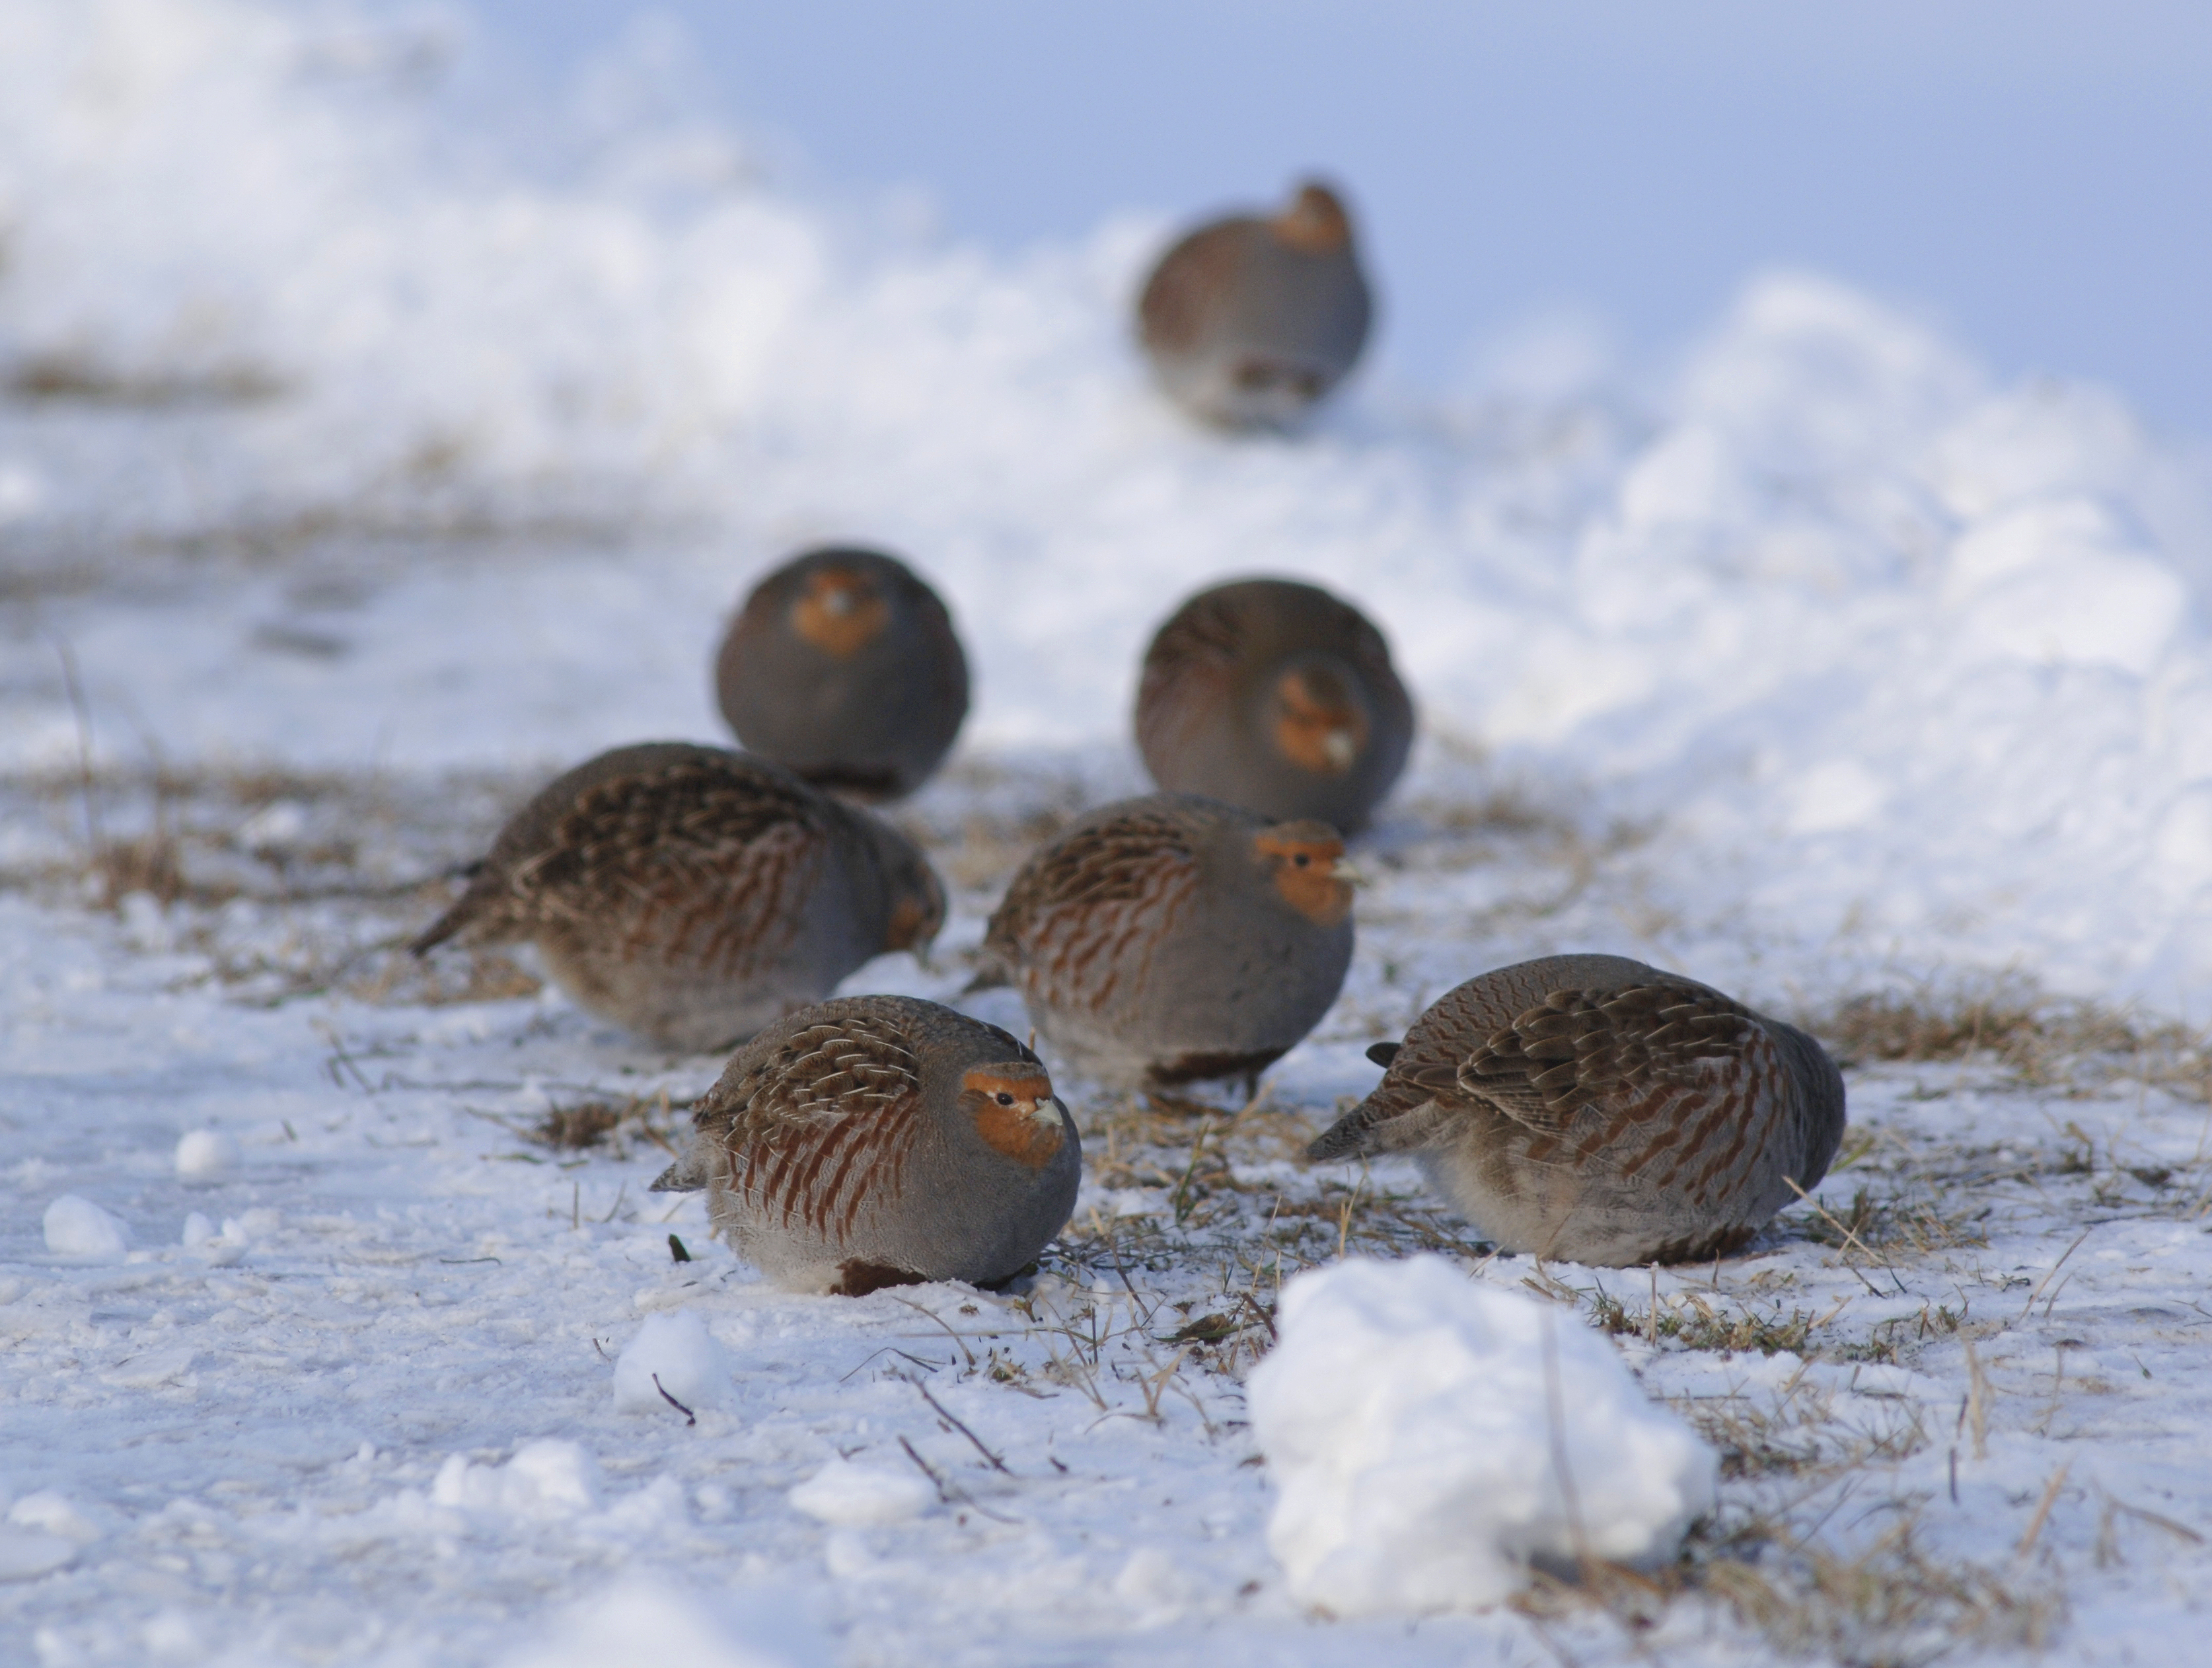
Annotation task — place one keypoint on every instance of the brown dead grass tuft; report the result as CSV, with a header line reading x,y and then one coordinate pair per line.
x,y
1893,1605
2013,1022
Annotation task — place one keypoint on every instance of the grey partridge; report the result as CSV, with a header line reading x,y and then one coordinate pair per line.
x,y
1165,940
844,666
693,894
876,1141
1277,696
1248,321
1595,1110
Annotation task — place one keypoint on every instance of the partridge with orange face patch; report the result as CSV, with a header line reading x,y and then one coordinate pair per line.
x,y
1595,1110
693,894
844,666
1165,940
1249,321
1277,696
876,1141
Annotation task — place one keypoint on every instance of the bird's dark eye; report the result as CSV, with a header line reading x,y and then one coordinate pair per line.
x,y
1005,1099
1302,859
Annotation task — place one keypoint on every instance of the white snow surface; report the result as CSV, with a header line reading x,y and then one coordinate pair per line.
x,y
358,474
1432,1437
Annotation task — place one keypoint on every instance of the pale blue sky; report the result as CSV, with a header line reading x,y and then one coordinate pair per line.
x,y
2033,176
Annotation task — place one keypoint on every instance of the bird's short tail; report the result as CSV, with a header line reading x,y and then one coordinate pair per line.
x,y
1349,1137
686,1175
439,930
1378,1124
464,908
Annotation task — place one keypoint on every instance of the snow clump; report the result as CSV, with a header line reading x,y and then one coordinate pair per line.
x,y
77,1227
641,1621
206,1155
549,1479
42,1534
860,1496
1416,1422
678,1350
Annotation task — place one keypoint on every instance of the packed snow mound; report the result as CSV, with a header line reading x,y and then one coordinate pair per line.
x,y
75,1226
1902,671
641,1622
852,1496
679,1352
546,1479
1432,1436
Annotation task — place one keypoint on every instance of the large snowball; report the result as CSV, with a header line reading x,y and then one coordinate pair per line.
x,y
1415,1422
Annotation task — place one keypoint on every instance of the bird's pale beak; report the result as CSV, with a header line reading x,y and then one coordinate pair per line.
x,y
1350,874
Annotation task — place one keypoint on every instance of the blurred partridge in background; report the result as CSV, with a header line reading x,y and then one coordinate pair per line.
x,y
1277,696
1249,321
844,666
876,1141
1594,1110
693,894
1165,940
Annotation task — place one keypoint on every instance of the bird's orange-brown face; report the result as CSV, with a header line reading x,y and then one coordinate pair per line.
x,y
1315,222
1306,860
840,612
1318,726
1015,1112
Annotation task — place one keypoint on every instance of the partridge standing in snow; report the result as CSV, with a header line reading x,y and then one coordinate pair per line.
x,y
693,894
1168,938
843,666
1249,321
876,1141
1277,696
1593,1109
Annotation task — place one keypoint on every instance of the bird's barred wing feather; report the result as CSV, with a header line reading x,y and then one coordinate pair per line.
x,y
728,852
1676,1086
1587,1048
1185,287
1647,1081
1080,919
829,1116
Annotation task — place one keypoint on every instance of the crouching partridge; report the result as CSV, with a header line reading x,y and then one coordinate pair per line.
x,y
1249,321
1168,938
1277,696
693,894
878,1140
844,666
1595,1110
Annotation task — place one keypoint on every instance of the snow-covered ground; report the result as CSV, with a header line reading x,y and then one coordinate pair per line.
x,y
357,477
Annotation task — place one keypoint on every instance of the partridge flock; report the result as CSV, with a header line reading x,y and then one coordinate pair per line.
x,y
1584,1107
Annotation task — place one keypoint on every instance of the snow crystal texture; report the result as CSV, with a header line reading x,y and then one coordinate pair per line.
x,y
1432,1437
